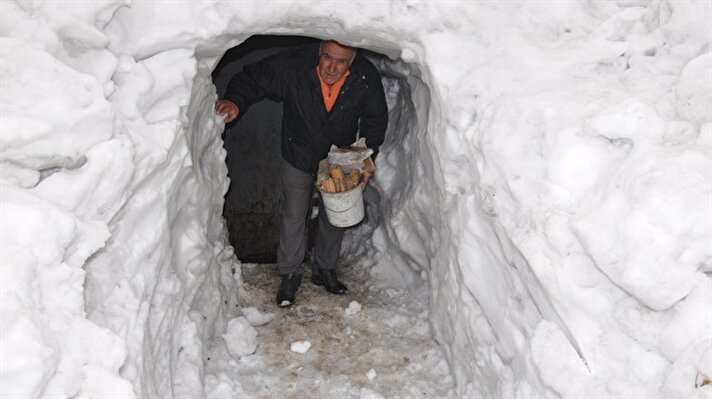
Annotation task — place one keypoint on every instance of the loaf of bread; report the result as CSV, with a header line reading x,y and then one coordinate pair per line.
x,y
336,172
331,178
353,179
328,186
338,175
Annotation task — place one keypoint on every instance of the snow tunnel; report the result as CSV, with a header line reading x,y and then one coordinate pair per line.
x,y
253,200
545,183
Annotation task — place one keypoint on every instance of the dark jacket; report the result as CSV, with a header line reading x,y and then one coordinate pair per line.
x,y
308,131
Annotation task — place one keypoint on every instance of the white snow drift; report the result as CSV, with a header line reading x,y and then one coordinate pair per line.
x,y
547,171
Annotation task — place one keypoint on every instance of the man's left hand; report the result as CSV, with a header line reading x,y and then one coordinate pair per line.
x,y
366,177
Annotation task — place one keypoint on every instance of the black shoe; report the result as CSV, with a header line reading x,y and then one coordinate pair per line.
x,y
327,278
287,291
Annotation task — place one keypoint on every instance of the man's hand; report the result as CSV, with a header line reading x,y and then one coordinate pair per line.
x,y
227,109
366,177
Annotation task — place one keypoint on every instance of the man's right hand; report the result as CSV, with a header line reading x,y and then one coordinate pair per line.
x,y
227,109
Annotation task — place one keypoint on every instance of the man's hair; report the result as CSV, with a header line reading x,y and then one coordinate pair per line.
x,y
353,49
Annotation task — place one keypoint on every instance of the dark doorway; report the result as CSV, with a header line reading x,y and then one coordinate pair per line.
x,y
253,201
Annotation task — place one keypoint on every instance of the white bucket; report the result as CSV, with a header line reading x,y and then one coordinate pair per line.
x,y
344,209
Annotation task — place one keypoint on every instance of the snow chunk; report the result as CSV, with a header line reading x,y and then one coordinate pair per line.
x,y
50,121
221,386
366,393
103,383
705,136
257,318
300,346
647,232
241,337
694,92
371,374
19,176
354,307
557,362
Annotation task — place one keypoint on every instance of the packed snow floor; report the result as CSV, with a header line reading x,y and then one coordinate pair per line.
x,y
370,343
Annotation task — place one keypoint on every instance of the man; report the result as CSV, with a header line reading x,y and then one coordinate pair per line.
x,y
330,95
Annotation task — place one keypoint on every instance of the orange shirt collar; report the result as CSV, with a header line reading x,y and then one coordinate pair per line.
x,y
330,93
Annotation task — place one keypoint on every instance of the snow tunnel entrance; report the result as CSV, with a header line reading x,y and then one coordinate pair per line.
x,y
253,201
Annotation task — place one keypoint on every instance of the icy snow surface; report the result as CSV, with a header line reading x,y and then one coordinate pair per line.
x,y
547,174
314,349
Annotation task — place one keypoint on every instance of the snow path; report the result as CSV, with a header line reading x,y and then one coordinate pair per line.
x,y
385,348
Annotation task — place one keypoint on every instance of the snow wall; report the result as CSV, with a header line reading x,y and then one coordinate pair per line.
x,y
548,176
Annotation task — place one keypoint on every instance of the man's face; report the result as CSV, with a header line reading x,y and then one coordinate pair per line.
x,y
333,62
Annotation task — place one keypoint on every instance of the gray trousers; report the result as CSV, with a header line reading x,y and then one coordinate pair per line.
x,y
297,189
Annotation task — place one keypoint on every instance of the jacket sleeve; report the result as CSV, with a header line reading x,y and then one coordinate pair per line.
x,y
264,78
374,114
